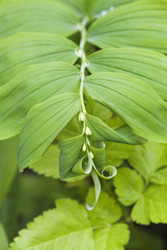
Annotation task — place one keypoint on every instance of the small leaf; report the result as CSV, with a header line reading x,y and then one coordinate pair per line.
x,y
145,65
140,24
35,84
106,212
129,186
102,132
160,177
23,49
114,237
37,16
43,123
148,158
66,227
134,101
152,207
49,164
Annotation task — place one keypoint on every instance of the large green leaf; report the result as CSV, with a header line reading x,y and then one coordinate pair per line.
x,y
37,16
148,158
139,24
23,49
66,227
34,85
152,207
146,65
43,123
133,100
8,165
3,239
114,237
129,186
102,132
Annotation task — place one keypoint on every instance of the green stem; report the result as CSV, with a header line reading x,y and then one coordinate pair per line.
x,y
127,218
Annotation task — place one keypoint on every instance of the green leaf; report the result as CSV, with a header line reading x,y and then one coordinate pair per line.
x,y
106,212
3,239
102,132
160,177
148,158
37,16
43,123
116,153
23,49
114,237
66,227
49,164
145,65
129,186
140,24
134,101
70,151
35,84
152,207
8,165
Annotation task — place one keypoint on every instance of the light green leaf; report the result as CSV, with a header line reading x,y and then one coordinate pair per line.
x,y
134,101
106,212
66,227
8,165
116,153
37,16
3,239
23,49
160,177
49,164
143,64
148,158
113,237
35,84
152,207
98,151
102,132
43,123
129,186
139,24
70,151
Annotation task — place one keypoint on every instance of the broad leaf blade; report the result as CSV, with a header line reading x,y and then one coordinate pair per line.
x,y
160,177
140,24
102,132
35,84
134,101
37,16
23,49
43,123
3,239
143,64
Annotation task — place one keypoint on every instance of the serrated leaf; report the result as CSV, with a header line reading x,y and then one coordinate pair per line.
x,y
37,16
160,177
70,151
3,239
8,165
148,158
23,49
152,207
114,237
35,84
139,24
102,132
43,123
129,186
66,227
49,164
106,212
132,100
143,64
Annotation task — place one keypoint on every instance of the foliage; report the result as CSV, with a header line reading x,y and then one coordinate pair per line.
x,y
83,91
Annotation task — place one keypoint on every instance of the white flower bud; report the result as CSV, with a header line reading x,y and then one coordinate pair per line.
x,y
79,52
81,117
92,155
88,131
84,147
